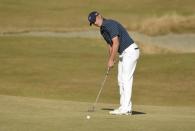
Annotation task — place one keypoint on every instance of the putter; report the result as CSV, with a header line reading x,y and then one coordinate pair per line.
x,y
92,109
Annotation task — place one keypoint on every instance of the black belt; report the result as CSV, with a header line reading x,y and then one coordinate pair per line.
x,y
136,48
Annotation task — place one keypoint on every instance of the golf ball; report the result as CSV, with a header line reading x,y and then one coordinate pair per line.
x,y
88,116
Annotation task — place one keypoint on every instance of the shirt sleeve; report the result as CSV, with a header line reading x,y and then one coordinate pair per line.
x,y
113,30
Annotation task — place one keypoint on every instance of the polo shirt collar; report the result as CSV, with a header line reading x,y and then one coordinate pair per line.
x,y
103,23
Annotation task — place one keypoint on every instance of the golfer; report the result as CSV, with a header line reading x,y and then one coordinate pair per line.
x,y
118,40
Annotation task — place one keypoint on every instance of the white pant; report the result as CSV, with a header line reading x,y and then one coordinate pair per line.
x,y
126,67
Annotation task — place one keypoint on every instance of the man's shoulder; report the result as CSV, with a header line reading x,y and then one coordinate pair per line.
x,y
109,23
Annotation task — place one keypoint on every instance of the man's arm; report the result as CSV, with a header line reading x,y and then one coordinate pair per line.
x,y
109,50
113,51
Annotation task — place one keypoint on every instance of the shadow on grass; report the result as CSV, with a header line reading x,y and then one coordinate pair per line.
x,y
133,112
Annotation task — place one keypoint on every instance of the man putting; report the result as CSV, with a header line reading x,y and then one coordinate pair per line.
x,y
118,40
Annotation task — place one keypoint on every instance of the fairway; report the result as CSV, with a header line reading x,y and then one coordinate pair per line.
x,y
34,114
65,68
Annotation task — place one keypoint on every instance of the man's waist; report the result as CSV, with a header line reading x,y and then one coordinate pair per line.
x,y
130,47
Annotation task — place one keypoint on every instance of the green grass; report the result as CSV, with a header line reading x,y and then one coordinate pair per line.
x,y
72,69
63,15
21,114
49,83
48,66
167,79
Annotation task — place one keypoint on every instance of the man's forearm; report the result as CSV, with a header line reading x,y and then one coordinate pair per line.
x,y
114,49
109,50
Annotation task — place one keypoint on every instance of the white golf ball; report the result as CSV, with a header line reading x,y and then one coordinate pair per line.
x,y
88,116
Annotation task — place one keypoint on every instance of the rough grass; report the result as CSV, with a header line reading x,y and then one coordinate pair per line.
x,y
63,15
154,49
172,23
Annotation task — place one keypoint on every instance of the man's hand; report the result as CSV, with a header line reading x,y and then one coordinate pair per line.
x,y
111,63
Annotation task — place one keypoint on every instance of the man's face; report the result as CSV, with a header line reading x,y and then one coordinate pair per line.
x,y
98,21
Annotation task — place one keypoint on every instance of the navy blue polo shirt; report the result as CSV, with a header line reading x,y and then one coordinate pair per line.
x,y
110,29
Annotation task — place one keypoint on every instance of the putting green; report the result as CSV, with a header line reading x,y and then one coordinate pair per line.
x,y
32,114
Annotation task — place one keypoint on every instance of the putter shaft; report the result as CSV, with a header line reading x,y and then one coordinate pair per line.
x,y
101,87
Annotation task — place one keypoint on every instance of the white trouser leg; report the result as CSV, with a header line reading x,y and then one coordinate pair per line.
x,y
121,90
126,68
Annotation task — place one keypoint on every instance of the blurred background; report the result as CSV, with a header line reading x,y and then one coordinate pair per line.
x,y
151,17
